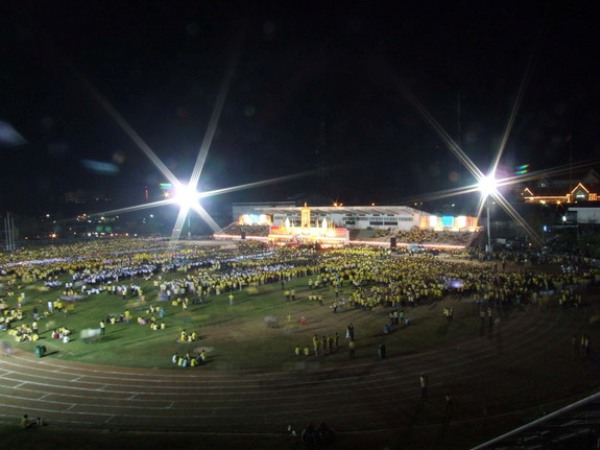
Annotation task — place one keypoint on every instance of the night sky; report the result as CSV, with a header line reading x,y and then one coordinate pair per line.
x,y
313,89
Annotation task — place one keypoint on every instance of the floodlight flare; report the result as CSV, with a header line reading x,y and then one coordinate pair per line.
x,y
186,196
488,185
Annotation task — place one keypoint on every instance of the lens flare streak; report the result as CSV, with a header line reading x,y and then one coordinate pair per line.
x,y
463,157
515,109
177,228
133,135
255,184
216,114
134,208
153,157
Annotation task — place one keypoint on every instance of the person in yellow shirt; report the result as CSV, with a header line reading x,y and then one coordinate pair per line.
x,y
351,350
26,423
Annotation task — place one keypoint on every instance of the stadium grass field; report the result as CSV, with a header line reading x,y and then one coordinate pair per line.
x,y
235,336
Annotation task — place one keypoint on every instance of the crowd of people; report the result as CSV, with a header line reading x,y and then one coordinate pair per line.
x,y
414,236
378,276
420,236
358,277
236,229
190,359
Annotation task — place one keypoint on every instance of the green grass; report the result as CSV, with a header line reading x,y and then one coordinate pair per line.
x,y
230,333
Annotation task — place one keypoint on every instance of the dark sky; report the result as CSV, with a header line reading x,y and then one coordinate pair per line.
x,y
313,89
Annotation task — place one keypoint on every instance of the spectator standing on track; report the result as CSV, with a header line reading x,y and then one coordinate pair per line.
x,y
315,341
423,380
350,332
586,345
449,406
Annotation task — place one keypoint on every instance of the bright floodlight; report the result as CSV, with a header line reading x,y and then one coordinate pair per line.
x,y
186,196
488,185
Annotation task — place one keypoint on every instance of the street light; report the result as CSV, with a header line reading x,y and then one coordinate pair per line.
x,y
488,185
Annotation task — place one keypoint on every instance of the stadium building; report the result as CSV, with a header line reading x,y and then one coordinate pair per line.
x,y
338,225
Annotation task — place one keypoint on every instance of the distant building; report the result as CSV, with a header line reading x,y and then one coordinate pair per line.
x,y
83,197
588,214
397,218
256,208
562,191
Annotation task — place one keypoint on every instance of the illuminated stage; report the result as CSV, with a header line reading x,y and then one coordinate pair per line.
x,y
307,233
324,235
371,226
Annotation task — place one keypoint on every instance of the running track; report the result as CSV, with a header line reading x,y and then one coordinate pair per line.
x,y
521,364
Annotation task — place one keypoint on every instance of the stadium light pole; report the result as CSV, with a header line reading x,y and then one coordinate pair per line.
x,y
488,185
187,197
488,247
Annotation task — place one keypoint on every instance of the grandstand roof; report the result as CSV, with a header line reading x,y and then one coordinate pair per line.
x,y
353,210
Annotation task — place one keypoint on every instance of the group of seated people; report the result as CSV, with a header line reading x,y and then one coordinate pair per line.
x,y
183,302
8,316
27,423
302,351
114,320
432,237
69,291
189,359
156,309
62,333
57,305
419,236
23,333
152,323
315,298
570,297
339,304
448,313
188,337
321,435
